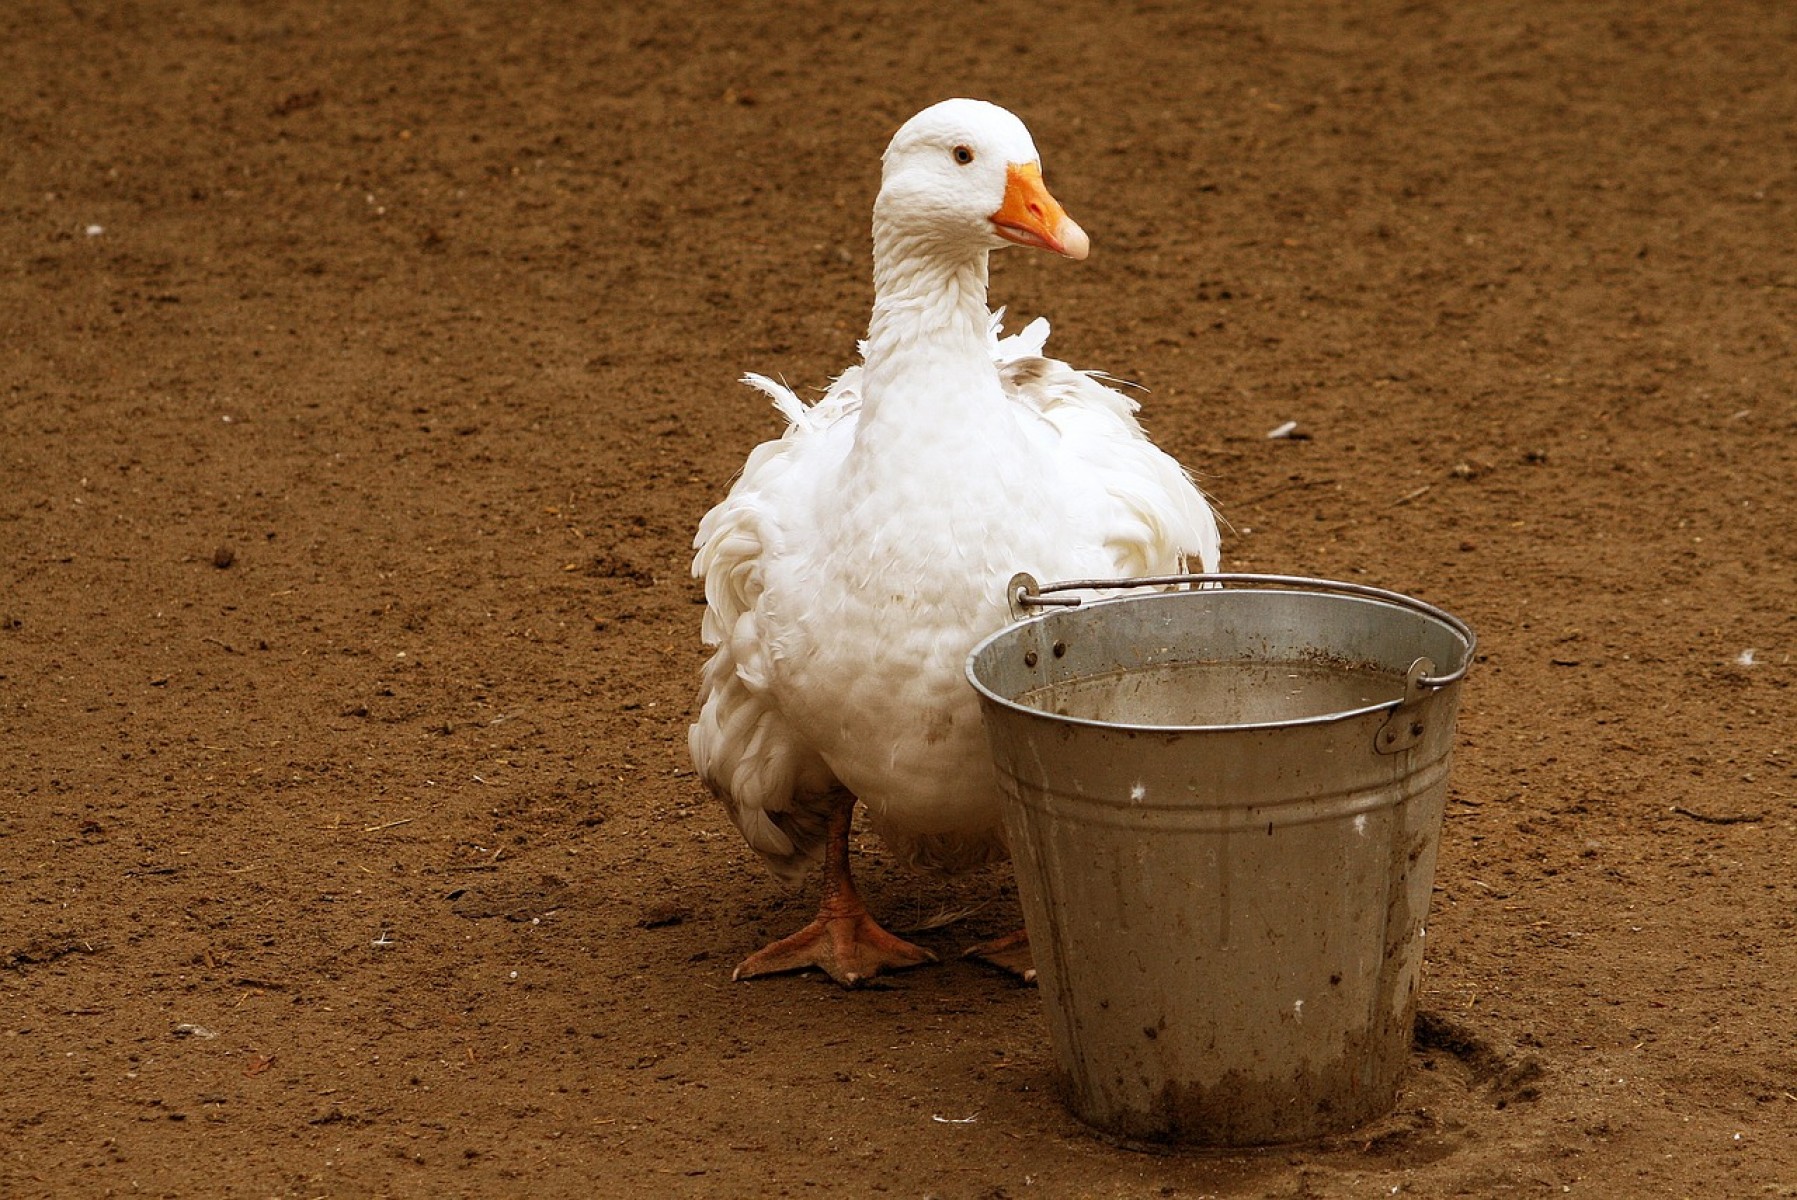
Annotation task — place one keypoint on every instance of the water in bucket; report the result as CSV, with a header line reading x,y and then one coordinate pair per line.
x,y
1243,692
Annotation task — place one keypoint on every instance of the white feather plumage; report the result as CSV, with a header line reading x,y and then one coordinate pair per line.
x,y
862,553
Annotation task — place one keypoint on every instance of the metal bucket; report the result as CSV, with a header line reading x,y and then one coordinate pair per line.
x,y
1223,805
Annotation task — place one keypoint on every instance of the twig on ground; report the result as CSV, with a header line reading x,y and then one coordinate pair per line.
x,y
1707,819
1407,497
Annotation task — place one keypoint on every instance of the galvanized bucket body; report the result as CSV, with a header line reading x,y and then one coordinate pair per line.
x,y
1226,883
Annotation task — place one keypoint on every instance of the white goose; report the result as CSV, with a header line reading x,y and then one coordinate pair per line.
x,y
862,554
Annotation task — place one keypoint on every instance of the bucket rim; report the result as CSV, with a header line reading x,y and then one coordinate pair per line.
x,y
1024,593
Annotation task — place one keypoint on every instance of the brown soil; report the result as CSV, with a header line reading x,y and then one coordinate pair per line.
x,y
367,368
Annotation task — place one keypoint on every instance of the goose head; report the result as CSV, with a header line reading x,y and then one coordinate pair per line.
x,y
962,178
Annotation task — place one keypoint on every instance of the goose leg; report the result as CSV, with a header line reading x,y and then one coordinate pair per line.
x,y
843,938
1010,953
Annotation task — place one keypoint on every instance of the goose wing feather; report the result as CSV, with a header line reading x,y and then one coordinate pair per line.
x,y
1157,520
771,782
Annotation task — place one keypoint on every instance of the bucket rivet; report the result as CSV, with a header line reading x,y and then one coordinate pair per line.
x,y
1060,649
1029,658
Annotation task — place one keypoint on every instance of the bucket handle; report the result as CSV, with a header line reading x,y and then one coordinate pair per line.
x,y
1024,594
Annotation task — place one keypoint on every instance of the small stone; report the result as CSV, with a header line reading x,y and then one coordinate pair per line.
x,y
223,557
665,912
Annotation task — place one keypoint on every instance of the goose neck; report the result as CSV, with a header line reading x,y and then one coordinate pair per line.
x,y
926,296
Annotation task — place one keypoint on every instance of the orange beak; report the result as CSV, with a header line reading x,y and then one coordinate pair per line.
x,y
1031,217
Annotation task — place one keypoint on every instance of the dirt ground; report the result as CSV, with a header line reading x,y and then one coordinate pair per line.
x,y
367,368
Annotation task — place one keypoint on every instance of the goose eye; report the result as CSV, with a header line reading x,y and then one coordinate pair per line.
x,y
963,155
